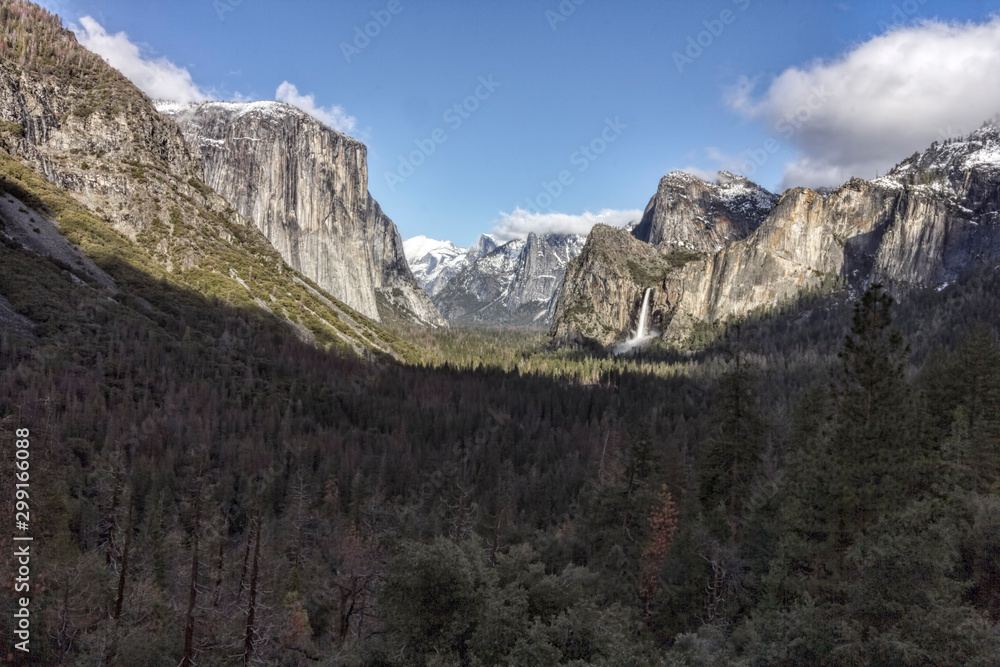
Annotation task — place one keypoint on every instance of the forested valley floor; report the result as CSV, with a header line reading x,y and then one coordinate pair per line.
x,y
816,486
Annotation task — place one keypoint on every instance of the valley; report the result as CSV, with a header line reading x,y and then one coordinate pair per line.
x,y
744,428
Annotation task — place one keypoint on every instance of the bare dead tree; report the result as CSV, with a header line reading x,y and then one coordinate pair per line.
x,y
462,510
123,573
188,658
714,590
249,644
246,561
219,565
111,644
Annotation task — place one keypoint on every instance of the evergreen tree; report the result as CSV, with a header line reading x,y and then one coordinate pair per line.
x,y
872,439
734,447
977,362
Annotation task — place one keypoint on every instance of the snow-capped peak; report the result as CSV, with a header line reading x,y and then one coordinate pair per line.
x,y
433,262
418,246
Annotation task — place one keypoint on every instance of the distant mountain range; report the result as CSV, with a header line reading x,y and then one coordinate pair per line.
x,y
514,283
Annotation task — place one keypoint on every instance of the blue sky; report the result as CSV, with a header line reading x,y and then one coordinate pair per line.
x,y
786,92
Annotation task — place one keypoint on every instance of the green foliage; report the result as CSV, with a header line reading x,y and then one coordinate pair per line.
x,y
200,186
431,596
442,599
871,442
491,508
733,450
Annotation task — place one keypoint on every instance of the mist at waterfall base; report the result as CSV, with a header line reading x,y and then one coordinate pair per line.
x,y
642,333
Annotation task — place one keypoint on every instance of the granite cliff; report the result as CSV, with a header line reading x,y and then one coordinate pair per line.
x,y
689,213
604,287
923,224
305,187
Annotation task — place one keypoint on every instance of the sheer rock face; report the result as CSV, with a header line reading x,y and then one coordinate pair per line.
x,y
689,213
927,221
517,283
69,116
305,187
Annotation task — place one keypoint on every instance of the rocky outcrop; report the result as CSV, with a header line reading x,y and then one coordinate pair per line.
x,y
605,284
486,244
931,218
517,283
691,214
305,186
808,242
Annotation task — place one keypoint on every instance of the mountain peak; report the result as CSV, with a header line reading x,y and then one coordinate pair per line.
x,y
516,282
434,262
486,244
689,212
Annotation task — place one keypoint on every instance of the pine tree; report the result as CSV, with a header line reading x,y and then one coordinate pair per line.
x,y
977,365
735,447
872,439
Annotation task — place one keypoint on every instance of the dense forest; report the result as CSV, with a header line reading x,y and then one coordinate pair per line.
x,y
818,485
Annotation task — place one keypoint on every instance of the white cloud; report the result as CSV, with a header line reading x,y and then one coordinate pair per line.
x,y
159,78
879,102
520,223
334,116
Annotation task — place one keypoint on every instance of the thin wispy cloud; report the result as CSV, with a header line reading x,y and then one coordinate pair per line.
x,y
880,101
520,223
157,77
335,116
707,175
721,160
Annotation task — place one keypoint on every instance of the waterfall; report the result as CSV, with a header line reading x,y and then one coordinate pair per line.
x,y
641,332
642,335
